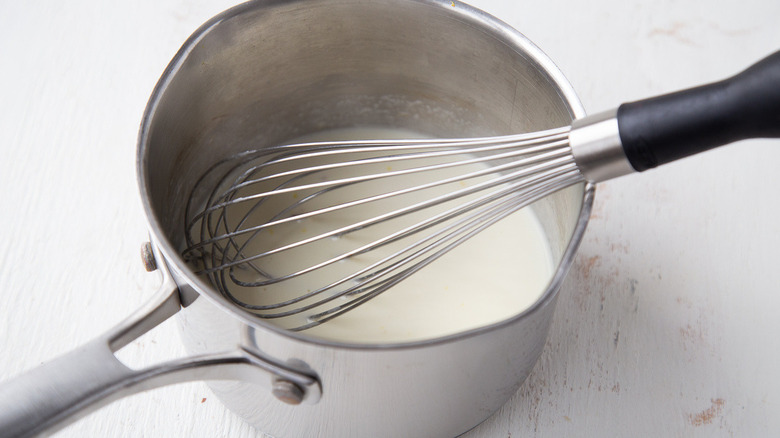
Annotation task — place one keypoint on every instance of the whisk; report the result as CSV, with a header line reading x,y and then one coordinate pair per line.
x,y
316,229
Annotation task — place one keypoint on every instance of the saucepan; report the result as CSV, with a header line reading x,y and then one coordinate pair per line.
x,y
268,71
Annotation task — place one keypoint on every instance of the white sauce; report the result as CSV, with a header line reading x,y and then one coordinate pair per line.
x,y
489,278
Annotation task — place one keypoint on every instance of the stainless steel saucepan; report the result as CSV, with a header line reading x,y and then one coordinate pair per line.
x,y
268,71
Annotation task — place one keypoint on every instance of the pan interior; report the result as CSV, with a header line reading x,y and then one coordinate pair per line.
x,y
258,77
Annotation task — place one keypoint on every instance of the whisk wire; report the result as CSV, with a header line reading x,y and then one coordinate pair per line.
x,y
440,234
457,233
529,147
309,151
527,171
520,170
544,160
473,228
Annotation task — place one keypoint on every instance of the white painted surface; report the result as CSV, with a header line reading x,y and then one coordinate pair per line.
x,y
667,325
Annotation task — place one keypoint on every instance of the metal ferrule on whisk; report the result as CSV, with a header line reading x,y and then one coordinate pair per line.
x,y
597,149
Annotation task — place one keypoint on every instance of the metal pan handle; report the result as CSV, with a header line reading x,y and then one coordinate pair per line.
x,y
47,398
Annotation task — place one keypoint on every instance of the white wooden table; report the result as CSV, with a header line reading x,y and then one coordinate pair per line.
x,y
668,324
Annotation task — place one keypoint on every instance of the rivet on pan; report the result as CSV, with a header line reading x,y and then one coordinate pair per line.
x,y
288,392
147,257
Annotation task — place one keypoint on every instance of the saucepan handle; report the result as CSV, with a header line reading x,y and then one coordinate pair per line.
x,y
57,393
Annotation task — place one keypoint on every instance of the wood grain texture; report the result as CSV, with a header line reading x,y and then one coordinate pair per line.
x,y
666,326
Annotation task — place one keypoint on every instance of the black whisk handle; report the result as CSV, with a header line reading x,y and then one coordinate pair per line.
x,y
662,129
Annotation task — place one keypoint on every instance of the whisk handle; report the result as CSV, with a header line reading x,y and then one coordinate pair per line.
x,y
662,129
